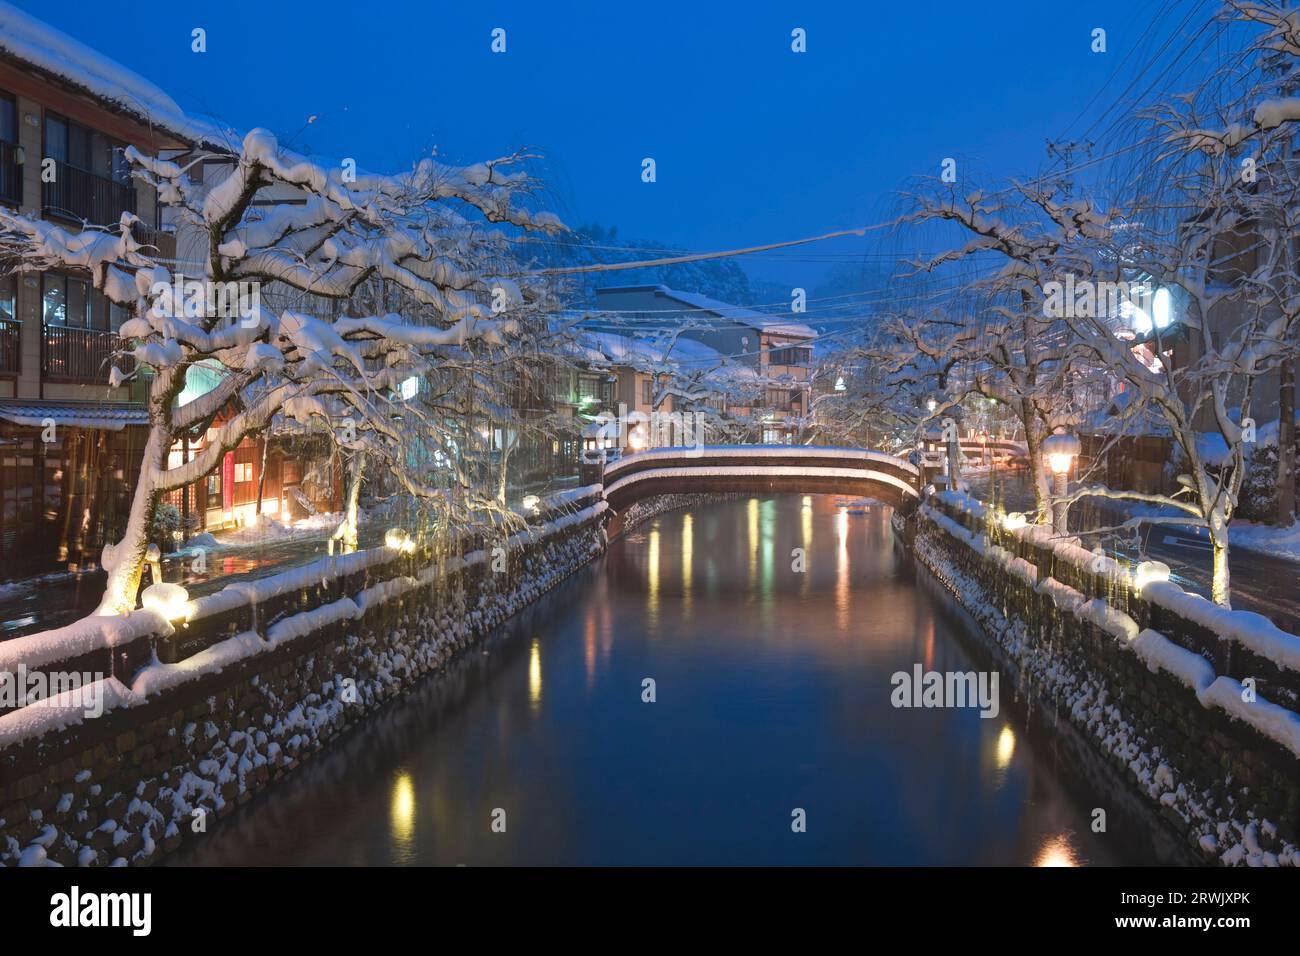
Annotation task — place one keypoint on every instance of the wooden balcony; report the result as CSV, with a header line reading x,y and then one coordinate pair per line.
x,y
78,194
78,355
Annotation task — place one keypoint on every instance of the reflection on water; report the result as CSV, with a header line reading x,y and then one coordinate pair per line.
x,y
773,692
1056,852
535,675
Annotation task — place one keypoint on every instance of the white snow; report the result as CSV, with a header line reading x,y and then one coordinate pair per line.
x,y
80,637
1268,718
62,711
1246,628
1160,653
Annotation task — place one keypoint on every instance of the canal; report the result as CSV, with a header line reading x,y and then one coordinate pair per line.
x,y
772,695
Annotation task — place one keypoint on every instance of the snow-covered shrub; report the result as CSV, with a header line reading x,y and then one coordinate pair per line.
x,y
1258,498
166,522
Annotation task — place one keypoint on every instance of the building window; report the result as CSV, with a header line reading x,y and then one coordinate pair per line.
x,y
778,398
11,173
8,119
790,356
85,149
593,390
647,392
8,298
214,485
243,471
74,302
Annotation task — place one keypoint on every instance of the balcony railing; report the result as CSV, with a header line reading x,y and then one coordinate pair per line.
x,y
77,194
11,173
11,340
78,355
163,242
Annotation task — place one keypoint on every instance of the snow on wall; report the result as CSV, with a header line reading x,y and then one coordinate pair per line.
x,y
1246,628
1251,630
95,632
62,711
1218,827
1268,718
80,637
1161,653
158,677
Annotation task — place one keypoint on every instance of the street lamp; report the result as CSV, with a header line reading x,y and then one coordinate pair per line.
x,y
1061,449
169,600
637,438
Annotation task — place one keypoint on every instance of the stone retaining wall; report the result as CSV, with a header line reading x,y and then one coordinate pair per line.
x,y
236,711
1229,790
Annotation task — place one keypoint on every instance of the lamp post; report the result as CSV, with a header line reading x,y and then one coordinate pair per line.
x,y
1061,449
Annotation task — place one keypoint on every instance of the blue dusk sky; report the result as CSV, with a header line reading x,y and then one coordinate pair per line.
x,y
753,142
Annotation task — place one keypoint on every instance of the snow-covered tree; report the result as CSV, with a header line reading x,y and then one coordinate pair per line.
x,y
1003,343
427,233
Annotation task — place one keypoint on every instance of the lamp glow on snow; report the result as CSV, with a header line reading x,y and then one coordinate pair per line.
x,y
1149,572
637,438
530,503
398,540
169,601
1014,521
1061,449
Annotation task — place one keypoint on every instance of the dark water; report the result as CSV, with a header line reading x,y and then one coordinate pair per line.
x,y
773,693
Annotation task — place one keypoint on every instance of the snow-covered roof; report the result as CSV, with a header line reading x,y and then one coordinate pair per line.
x,y
36,44
108,416
595,345
762,321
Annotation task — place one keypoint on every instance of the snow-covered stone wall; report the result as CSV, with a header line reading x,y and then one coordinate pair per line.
x,y
260,677
1192,704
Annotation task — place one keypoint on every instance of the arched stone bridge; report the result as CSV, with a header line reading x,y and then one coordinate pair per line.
x,y
761,469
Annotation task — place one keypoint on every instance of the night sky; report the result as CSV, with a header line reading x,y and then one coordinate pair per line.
x,y
753,142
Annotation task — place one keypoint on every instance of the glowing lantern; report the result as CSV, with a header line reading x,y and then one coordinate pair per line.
x,y
1148,572
170,601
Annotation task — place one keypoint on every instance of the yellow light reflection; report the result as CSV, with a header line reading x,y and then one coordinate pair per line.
x,y
652,578
535,675
1006,747
401,812
688,554
842,573
1056,852
769,548
806,519
589,646
751,511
